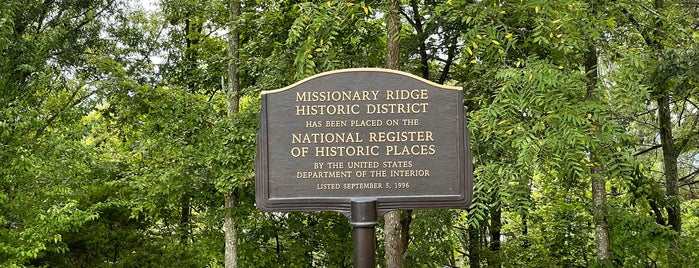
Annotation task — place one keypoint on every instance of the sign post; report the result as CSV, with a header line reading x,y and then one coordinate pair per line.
x,y
363,218
363,142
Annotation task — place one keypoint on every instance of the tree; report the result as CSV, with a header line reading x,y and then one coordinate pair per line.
x,y
45,46
529,49
118,148
232,107
667,84
392,224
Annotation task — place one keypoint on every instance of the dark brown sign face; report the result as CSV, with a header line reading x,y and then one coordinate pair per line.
x,y
363,133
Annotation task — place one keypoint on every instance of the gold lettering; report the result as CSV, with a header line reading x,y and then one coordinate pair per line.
x,y
366,123
397,108
405,94
310,124
337,96
329,109
362,164
421,149
410,173
323,174
335,123
397,164
361,186
341,137
328,186
332,151
400,136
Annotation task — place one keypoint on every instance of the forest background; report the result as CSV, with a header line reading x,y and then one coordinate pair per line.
x,y
127,135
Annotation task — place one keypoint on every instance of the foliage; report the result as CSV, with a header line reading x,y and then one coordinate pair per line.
x,y
116,148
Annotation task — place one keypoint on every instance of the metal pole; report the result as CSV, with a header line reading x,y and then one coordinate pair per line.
x,y
364,218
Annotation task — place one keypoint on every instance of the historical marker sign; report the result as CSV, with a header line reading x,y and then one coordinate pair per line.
x,y
357,133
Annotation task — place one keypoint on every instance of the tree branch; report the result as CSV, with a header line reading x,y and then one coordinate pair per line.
x,y
447,64
688,183
72,102
408,18
690,175
648,150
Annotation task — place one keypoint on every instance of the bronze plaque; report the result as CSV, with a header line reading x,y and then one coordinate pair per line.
x,y
355,133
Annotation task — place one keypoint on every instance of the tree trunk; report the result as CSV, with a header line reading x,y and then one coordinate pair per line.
x,y
671,176
394,256
190,54
525,232
393,27
599,192
451,53
185,215
422,47
474,247
670,153
406,219
494,247
232,100
233,96
670,162
231,233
